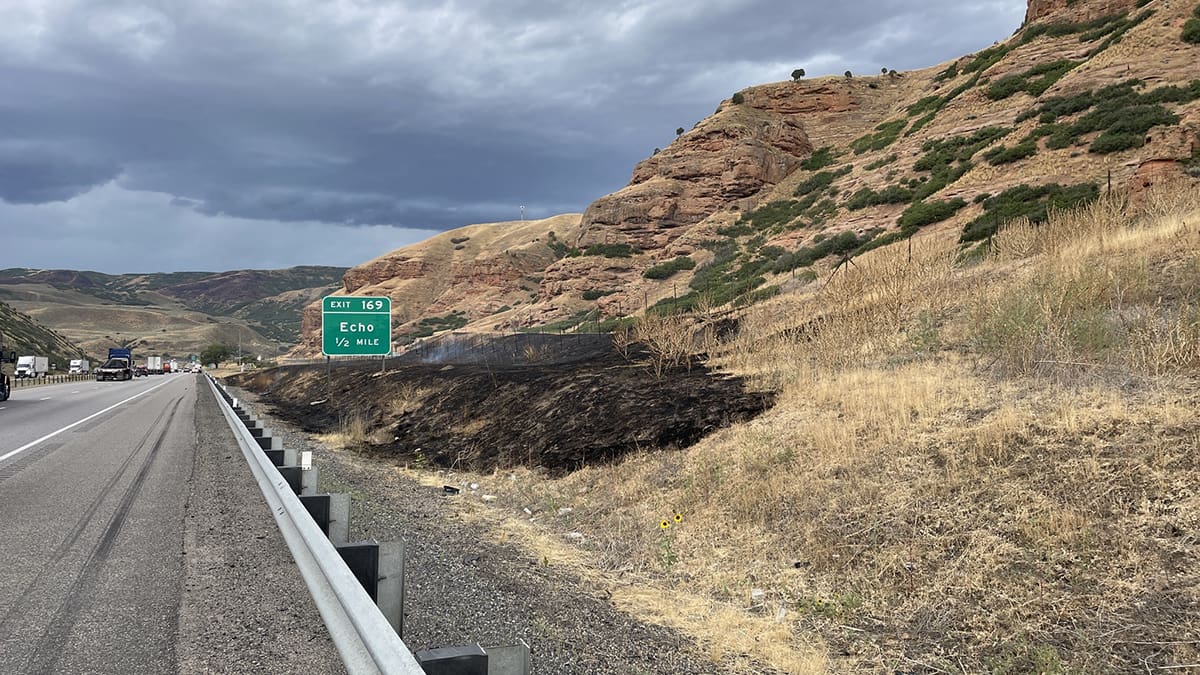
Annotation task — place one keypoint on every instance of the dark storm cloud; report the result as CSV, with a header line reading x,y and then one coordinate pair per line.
x,y
423,115
37,173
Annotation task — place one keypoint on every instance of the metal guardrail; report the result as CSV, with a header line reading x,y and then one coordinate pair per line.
x,y
364,639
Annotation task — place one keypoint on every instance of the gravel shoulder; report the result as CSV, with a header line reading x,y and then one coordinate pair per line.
x,y
244,607
463,587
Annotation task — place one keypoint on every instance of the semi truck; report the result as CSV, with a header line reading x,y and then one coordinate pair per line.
x,y
32,366
80,367
154,365
7,359
119,366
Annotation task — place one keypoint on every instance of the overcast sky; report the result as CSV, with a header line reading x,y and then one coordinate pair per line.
x,y
226,134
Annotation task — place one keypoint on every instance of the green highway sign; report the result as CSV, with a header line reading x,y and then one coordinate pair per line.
x,y
356,326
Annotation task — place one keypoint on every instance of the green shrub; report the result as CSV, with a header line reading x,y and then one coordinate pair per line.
x,y
739,98
768,215
560,248
989,57
669,268
924,105
886,133
757,295
1191,29
738,229
949,73
432,324
1115,31
1118,111
1006,155
1028,202
879,164
839,244
892,194
610,250
920,123
595,294
1110,142
820,181
922,213
1034,81
819,159
944,152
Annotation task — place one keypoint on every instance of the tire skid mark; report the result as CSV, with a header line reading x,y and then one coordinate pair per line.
x,y
54,639
20,605
21,463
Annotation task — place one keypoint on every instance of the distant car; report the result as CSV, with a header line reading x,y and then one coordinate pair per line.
x,y
196,369
139,371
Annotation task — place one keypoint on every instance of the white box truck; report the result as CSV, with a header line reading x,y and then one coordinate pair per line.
x,y
32,366
154,365
80,367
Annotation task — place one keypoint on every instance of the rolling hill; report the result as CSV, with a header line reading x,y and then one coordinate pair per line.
x,y
172,313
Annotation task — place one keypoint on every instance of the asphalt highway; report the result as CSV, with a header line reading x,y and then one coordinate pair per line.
x,y
98,508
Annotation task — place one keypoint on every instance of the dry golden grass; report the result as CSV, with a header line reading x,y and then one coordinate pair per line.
x,y
970,467
409,398
352,432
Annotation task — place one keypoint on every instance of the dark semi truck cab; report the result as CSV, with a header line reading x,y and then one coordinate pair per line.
x,y
119,365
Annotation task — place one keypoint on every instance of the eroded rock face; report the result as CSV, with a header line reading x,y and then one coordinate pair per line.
x,y
1163,161
1075,10
730,156
396,266
475,270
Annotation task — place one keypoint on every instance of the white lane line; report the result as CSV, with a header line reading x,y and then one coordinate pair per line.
x,y
72,425
75,392
44,398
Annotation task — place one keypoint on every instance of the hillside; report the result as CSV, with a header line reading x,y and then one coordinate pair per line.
x,y
981,464
469,275
970,296
22,334
786,179
176,313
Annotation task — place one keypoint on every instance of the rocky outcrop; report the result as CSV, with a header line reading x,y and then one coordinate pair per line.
x,y
393,266
728,157
1075,10
476,271
1164,160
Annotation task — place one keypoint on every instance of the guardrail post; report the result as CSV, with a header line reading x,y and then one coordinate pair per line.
x,y
292,475
310,480
511,660
391,584
470,660
318,506
362,557
339,518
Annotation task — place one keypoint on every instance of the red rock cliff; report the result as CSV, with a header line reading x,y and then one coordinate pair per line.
x,y
1075,10
729,156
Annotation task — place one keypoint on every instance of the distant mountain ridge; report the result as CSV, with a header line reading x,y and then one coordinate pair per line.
x,y
176,312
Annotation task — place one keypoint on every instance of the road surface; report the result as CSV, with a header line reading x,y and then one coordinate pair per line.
x,y
130,543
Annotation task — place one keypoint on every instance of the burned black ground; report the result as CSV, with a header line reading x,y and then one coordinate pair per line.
x,y
595,406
